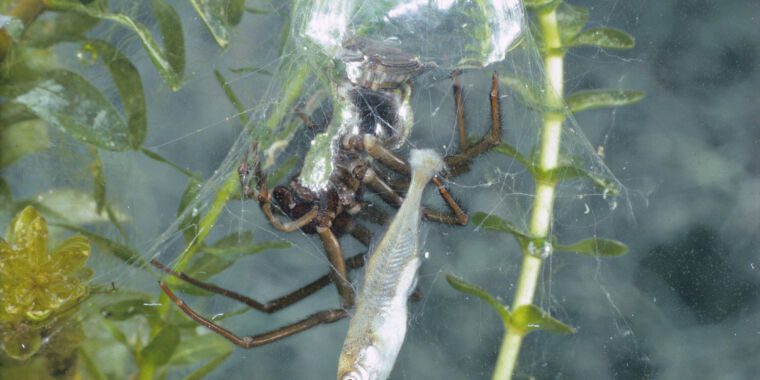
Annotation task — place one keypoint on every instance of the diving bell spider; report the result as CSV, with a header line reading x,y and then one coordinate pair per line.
x,y
331,212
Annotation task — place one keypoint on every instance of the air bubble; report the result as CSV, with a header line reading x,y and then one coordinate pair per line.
x,y
87,55
195,211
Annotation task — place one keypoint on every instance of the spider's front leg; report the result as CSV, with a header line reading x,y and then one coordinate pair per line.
x,y
249,170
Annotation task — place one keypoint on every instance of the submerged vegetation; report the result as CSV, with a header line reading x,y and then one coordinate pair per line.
x,y
46,294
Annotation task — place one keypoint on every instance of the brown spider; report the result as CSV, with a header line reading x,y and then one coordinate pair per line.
x,y
376,94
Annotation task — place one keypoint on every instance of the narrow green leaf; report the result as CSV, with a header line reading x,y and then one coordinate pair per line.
x,y
64,27
201,373
68,101
99,181
22,138
161,348
584,100
479,292
189,224
236,251
215,15
235,12
257,11
74,206
568,172
206,266
129,85
539,4
6,197
494,223
196,349
250,69
170,26
528,93
242,113
608,38
116,333
510,151
529,318
120,251
596,247
571,20
234,239
167,67
157,157
127,309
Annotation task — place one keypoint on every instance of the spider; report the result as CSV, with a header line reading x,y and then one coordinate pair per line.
x,y
376,90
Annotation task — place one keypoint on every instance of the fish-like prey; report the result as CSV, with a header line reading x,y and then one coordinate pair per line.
x,y
378,326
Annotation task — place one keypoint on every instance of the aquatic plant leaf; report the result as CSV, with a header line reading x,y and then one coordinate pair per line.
x,y
537,5
236,251
196,349
173,37
36,283
510,151
75,207
127,309
162,347
99,180
232,97
528,93
205,369
608,38
22,138
596,247
494,223
157,157
170,68
120,251
218,17
6,197
205,266
583,100
189,223
479,292
64,27
571,20
68,101
129,85
529,318
568,172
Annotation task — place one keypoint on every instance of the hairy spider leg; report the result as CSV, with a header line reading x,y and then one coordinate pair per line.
x,y
457,164
318,318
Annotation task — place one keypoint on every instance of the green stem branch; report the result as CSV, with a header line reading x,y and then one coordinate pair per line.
x,y
543,203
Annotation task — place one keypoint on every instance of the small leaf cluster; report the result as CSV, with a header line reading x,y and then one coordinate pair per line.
x,y
524,319
37,284
572,22
573,32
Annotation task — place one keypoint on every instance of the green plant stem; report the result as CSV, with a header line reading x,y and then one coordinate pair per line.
x,y
543,203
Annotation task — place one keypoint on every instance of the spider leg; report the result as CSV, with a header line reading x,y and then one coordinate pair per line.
x,y
318,318
457,164
388,158
459,106
265,197
270,307
338,273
